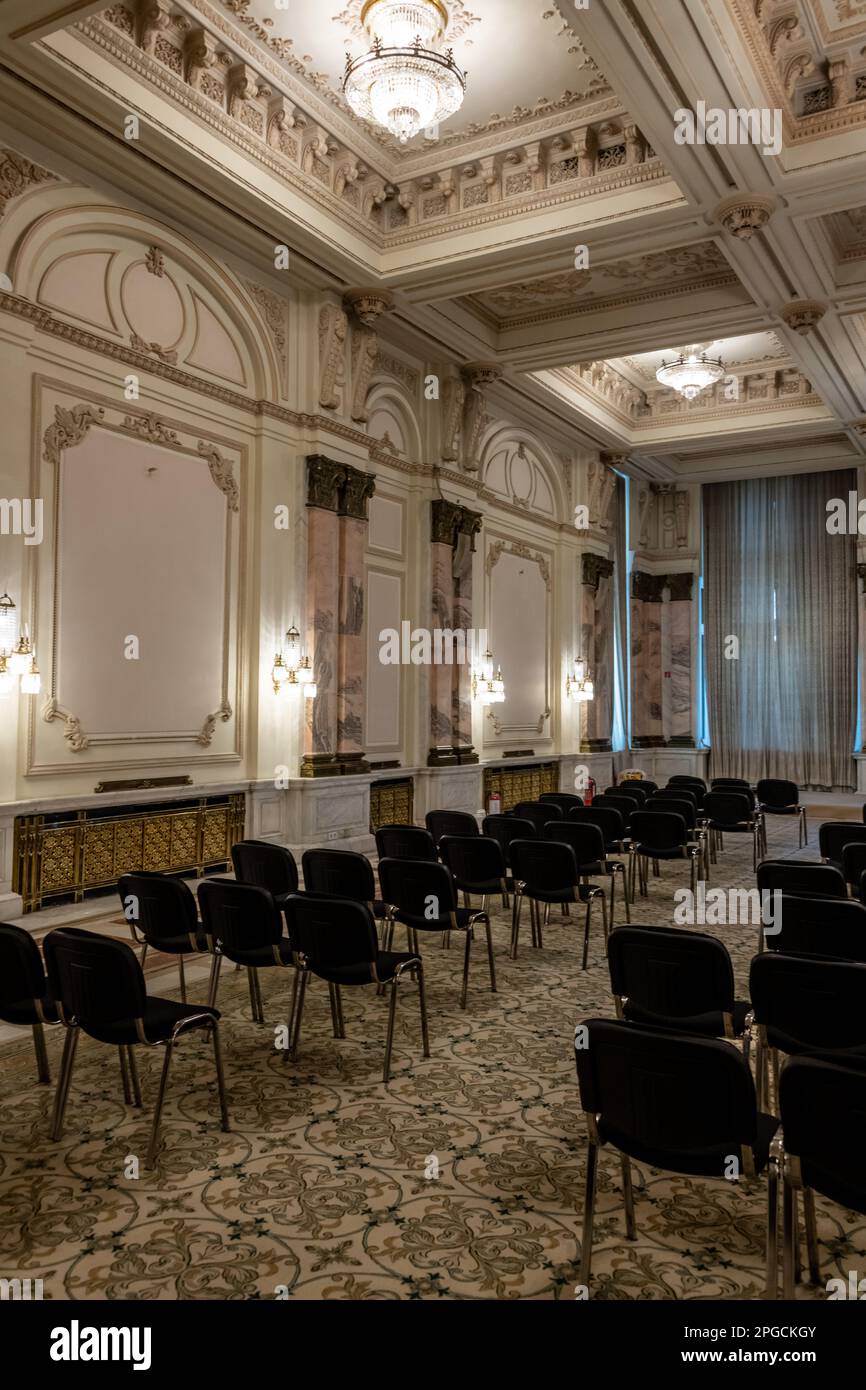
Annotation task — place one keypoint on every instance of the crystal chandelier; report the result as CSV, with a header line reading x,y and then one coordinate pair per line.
x,y
404,82
691,373
294,669
580,686
487,684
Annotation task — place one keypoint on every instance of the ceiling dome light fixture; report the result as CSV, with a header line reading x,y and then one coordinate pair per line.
x,y
691,373
405,82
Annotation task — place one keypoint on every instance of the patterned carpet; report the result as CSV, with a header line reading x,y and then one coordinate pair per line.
x,y
464,1179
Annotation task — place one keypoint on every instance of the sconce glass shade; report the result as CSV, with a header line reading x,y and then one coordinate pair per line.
x,y
31,682
305,672
8,624
310,690
22,655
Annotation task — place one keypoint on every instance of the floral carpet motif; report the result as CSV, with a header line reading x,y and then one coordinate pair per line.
x,y
462,1179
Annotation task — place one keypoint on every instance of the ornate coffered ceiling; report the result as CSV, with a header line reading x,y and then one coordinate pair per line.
x,y
566,142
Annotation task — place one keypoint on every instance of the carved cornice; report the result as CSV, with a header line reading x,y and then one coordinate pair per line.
x,y
355,493
368,306
595,567
325,478
648,588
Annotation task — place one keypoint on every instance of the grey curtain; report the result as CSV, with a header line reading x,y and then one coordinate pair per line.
x,y
780,620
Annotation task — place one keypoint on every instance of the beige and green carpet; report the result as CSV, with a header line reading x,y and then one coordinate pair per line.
x,y
463,1179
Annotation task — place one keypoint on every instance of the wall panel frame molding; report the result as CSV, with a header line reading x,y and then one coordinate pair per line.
x,y
519,608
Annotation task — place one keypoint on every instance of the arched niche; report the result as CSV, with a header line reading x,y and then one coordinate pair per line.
x,y
517,469
391,420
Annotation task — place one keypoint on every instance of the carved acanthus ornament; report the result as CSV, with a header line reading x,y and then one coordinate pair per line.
x,y
70,428
602,485
167,355
72,731
744,214
205,735
523,552
155,261
199,55
154,16
221,472
17,174
151,428
478,376
453,399
596,567
802,315
333,327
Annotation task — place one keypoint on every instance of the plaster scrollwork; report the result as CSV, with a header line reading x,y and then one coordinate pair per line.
x,y
17,174
221,472
151,428
70,427
333,328
478,376
206,733
453,398
167,355
72,731
523,552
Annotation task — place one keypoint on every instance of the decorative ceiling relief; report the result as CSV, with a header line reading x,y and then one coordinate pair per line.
x,y
17,174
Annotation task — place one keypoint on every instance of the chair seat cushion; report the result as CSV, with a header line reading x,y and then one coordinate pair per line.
x,y
179,945
778,810
714,1163
708,1025
676,852
730,827
463,917
161,1017
23,1011
263,955
578,892
362,973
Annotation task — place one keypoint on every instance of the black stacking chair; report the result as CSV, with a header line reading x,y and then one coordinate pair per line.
x,y
626,806
632,791
793,876
699,1111
674,794
24,994
648,786
341,873
243,923
266,866
853,867
694,789
478,867
545,871
722,782
587,841
162,916
423,898
780,798
805,1004
682,779
834,835
505,829
335,939
812,925
822,1105
405,842
539,812
684,803
441,823
732,813
609,821
99,987
566,801
669,977
658,835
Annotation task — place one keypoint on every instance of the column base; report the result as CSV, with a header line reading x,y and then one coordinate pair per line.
x,y
320,765
681,741
595,745
462,756
649,741
352,763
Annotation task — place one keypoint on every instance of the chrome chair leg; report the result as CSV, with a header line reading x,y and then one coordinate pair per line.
x,y
422,1004
811,1234
133,1075
124,1075
42,1070
299,1009
539,939
182,973
220,1074
628,1198
335,1020
772,1289
465,990
789,1237
63,1082
338,999
292,1003
516,909
160,1099
490,957
213,983
389,1043
586,933
588,1207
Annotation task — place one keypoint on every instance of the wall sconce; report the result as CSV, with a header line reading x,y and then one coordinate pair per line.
x,y
487,684
293,669
579,686
17,658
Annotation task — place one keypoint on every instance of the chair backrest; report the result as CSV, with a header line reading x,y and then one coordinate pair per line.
x,y
834,835
415,886
441,823
505,829
160,906
587,841
659,829
670,973
609,821
853,862
722,782
727,809
681,779
474,860
629,791
795,876
624,804
405,842
679,793
332,933
95,979
823,1112
820,926
267,866
539,812
661,803
686,1103
238,916
566,801
544,865
808,1002
22,975
342,873
773,792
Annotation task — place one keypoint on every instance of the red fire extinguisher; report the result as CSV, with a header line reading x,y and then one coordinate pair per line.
x,y
590,791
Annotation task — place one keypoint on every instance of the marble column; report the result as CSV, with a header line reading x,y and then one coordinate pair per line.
x,y
453,529
646,657
680,731
325,479
355,493
597,649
